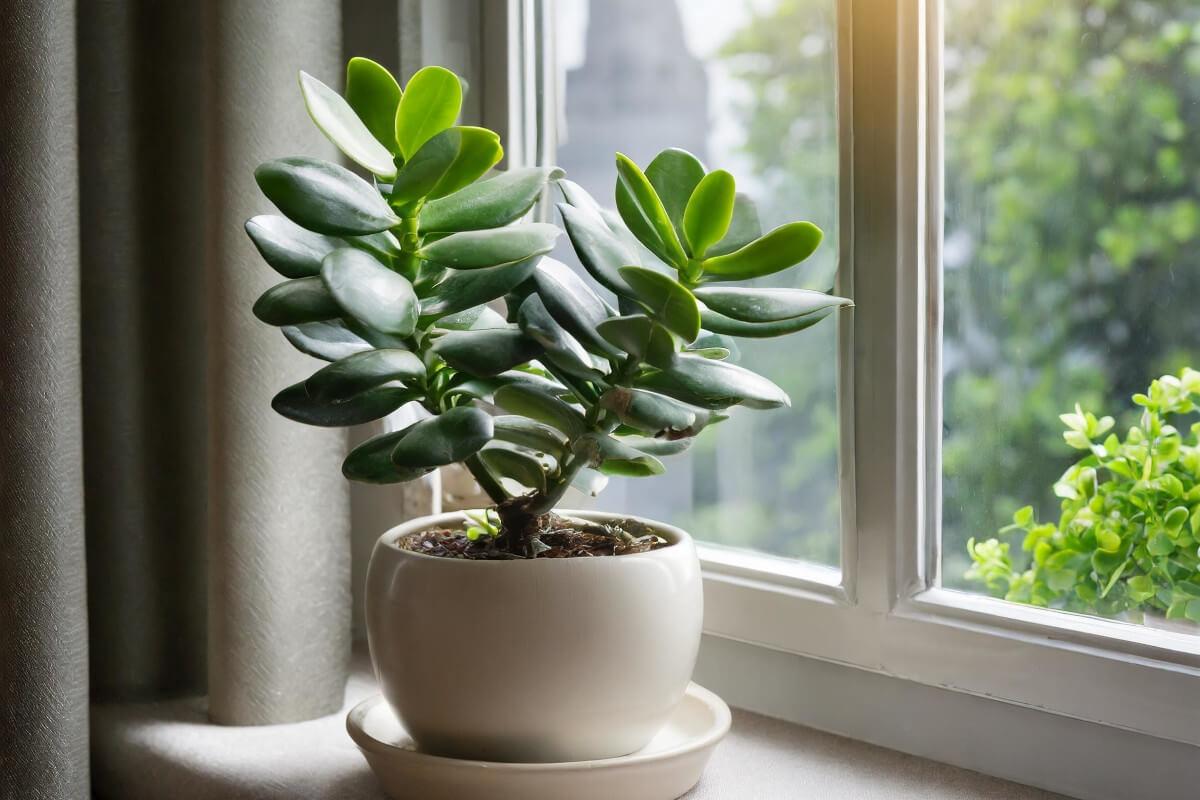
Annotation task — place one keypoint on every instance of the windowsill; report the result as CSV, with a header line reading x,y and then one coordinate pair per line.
x,y
168,749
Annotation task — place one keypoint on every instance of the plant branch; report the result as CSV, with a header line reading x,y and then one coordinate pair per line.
x,y
495,490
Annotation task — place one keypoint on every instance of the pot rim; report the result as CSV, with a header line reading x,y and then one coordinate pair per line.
x,y
674,536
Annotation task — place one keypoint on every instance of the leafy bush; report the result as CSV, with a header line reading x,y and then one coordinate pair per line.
x,y
391,283
1126,540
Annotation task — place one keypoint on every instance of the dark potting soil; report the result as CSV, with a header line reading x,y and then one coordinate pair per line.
x,y
560,538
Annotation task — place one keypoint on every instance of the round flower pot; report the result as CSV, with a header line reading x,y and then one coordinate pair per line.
x,y
540,660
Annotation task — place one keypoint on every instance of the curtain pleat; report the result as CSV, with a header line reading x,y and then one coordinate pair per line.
x,y
279,594
143,278
43,625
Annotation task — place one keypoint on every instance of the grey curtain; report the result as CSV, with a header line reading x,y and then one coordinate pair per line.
x,y
136,383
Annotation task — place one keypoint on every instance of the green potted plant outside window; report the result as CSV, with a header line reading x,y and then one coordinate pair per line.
x,y
1125,543
518,633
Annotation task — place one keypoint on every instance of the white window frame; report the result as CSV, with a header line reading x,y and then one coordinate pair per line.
x,y
882,611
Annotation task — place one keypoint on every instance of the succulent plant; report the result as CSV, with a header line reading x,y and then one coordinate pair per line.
x,y
396,283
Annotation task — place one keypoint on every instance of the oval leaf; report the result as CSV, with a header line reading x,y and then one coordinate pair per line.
x,y
460,290
492,203
421,173
290,250
478,151
709,212
744,227
714,384
642,210
339,122
667,300
765,305
658,447
295,403
540,404
781,248
374,95
647,411
486,352
573,304
519,467
674,174
371,292
445,439
529,433
491,248
429,105
354,374
600,251
371,461
539,325
296,301
640,337
324,197
621,459
329,341
719,323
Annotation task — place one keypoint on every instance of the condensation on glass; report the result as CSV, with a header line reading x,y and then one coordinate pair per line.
x,y
1071,268
748,87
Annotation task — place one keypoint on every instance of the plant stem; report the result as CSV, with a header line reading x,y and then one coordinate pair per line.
x,y
487,482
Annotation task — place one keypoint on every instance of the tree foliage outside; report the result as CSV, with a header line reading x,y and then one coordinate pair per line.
x,y
1072,227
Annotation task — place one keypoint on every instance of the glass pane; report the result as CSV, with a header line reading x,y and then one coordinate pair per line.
x,y
748,87
1071,272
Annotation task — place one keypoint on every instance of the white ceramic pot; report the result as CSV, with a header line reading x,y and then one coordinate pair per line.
x,y
542,660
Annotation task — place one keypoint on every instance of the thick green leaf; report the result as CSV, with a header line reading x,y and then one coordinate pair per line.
x,y
714,384
516,466
295,403
641,337
647,411
445,439
290,250
472,319
719,323
765,305
744,228
674,174
643,211
573,304
491,203
371,461
354,374
542,405
781,248
529,433
537,323
382,245
658,447
421,173
599,250
621,459
338,121
709,212
589,481
430,104
374,95
478,151
667,300
459,290
491,248
485,388
371,292
296,301
324,197
328,341
486,352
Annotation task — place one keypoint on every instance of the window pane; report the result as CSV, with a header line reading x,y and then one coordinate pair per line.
x,y
1071,272
748,87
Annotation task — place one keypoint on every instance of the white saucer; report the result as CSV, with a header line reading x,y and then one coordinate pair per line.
x,y
663,770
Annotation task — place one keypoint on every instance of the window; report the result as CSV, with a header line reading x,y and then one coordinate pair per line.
x,y
1010,192
1072,224
733,82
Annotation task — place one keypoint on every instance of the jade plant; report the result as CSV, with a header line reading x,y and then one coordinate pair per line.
x,y
423,285
1125,542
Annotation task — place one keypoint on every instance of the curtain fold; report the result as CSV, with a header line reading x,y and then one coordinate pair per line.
x,y
43,622
279,573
